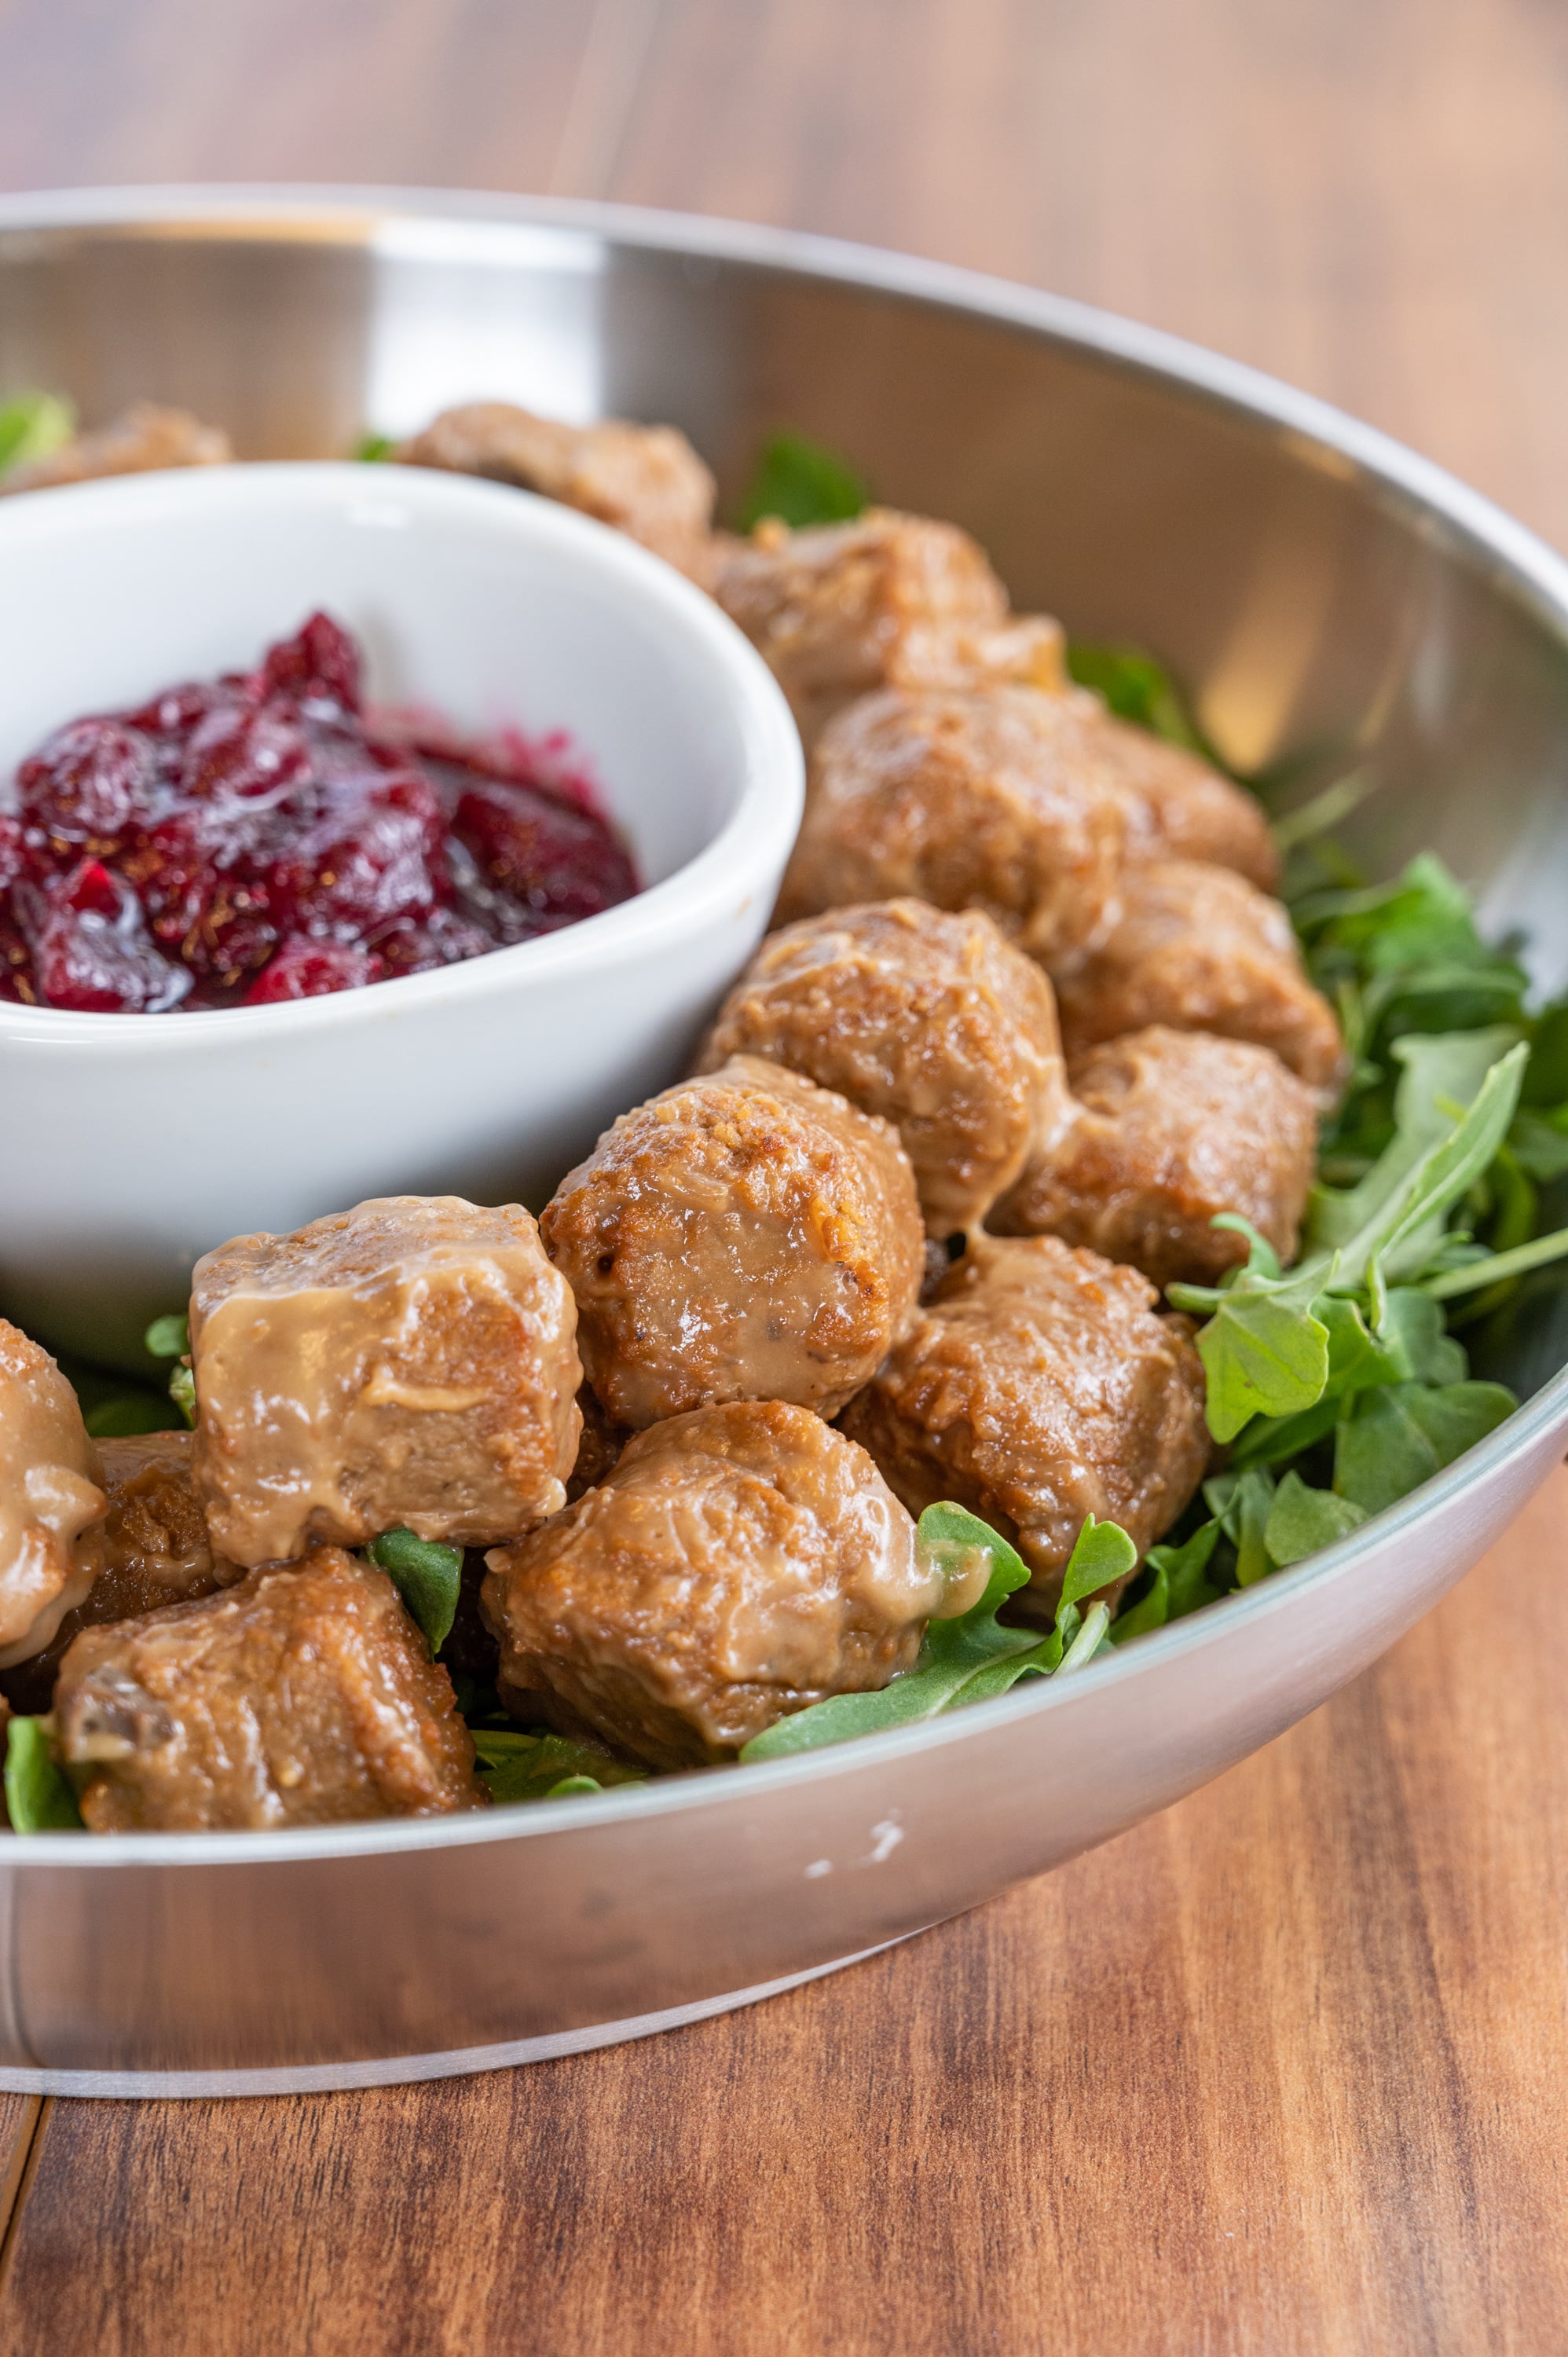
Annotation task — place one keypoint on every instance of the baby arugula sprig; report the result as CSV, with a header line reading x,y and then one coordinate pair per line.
x,y
970,1657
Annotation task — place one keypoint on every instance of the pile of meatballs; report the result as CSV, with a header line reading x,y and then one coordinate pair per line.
x,y
1028,1020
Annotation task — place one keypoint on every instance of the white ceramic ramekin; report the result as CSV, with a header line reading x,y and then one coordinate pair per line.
x,y
130,1143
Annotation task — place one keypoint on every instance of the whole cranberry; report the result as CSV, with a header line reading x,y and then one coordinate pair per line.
x,y
194,873
90,948
16,959
175,710
90,782
303,968
13,851
320,660
414,945
559,863
353,872
236,748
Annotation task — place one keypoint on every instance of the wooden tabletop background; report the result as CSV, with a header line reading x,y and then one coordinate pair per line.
x,y
1287,2069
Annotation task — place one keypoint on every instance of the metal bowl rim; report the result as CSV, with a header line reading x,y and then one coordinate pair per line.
x,y
1331,437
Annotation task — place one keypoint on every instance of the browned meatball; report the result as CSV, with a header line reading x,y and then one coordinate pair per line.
x,y
1174,1128
151,1548
145,441
1039,1388
1191,812
646,481
738,1564
744,1236
932,1020
889,600
305,1696
410,1363
1199,948
51,1488
970,801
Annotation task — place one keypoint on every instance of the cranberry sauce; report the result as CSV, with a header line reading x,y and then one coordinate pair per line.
x,y
253,838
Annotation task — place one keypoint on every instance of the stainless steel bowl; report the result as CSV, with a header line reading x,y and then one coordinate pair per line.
x,y
1325,592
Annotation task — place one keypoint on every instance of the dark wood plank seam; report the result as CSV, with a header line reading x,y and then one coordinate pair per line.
x,y
17,2181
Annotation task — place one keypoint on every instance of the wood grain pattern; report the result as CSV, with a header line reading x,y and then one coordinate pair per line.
x,y
1284,2069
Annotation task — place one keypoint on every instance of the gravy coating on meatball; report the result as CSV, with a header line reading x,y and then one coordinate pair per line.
x,y
933,1021
969,802
146,440
151,1548
1173,1128
645,480
1199,948
1038,1388
743,1236
738,1564
1190,812
888,600
304,1696
411,1363
51,1488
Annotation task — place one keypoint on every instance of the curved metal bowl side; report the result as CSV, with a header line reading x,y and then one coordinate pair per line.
x,y
1329,595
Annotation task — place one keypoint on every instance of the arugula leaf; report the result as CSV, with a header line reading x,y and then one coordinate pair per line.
x,y
33,426
168,1336
39,1797
1438,1069
1241,1504
801,482
1138,689
1399,1437
973,1657
428,1577
1494,1268
1264,1350
1301,1521
371,448
517,1766
1178,1586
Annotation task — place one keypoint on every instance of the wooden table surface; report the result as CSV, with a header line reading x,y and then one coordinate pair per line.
x,y
1285,2069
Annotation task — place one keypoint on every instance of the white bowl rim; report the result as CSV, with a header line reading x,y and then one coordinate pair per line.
x,y
756,835
1327,436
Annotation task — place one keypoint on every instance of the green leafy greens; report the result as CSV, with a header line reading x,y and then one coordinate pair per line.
x,y
169,1338
33,426
1336,1383
426,1575
516,1766
39,1797
800,482
971,1657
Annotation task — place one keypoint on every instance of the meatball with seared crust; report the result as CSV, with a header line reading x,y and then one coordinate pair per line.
x,y
304,1696
1190,812
970,801
888,600
744,1236
151,1548
932,1020
51,1488
1038,1388
645,480
1199,948
1173,1128
145,441
738,1564
410,1364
